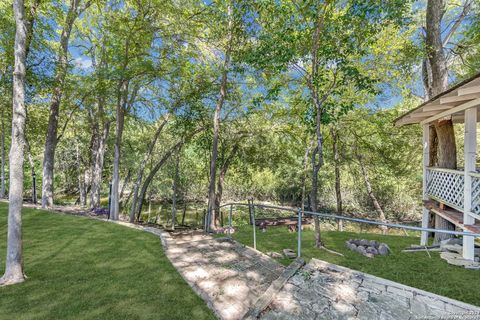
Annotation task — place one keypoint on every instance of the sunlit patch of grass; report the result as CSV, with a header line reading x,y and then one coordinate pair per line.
x,y
413,269
79,268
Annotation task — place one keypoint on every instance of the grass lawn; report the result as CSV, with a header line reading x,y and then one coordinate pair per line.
x,y
413,269
80,268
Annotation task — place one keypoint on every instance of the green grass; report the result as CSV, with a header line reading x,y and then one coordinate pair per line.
x,y
80,268
413,269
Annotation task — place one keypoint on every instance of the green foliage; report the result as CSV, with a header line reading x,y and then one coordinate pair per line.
x,y
368,50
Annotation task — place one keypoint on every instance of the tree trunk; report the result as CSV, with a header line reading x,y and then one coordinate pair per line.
x,y
211,211
30,19
433,149
338,191
125,183
184,210
221,177
60,75
141,168
313,198
82,189
123,101
436,55
437,69
317,103
151,175
120,121
98,155
304,174
2,160
14,260
174,191
373,198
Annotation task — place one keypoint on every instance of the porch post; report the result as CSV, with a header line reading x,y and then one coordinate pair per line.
x,y
470,161
426,162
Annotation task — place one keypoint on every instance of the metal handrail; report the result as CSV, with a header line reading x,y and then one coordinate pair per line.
x,y
359,220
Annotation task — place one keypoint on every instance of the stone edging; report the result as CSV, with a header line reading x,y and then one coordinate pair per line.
x,y
266,298
411,293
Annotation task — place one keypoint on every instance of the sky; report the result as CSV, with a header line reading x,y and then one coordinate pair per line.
x,y
386,99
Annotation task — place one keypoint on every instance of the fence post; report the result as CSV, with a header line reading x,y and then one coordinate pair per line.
x,y
230,222
205,220
110,199
299,233
253,224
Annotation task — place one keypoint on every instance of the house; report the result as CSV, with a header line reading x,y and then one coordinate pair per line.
x,y
453,194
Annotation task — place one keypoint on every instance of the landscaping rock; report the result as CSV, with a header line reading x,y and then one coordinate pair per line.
x,y
361,249
289,253
383,249
369,248
458,249
226,230
372,250
274,254
451,241
351,246
364,243
456,259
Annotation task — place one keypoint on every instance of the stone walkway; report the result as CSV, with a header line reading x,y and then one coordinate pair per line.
x,y
325,291
228,276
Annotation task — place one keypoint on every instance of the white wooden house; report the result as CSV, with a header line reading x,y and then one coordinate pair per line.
x,y
455,193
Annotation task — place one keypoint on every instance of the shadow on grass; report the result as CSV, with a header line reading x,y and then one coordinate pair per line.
x,y
79,268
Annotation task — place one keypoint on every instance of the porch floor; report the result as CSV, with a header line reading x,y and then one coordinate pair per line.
x,y
454,216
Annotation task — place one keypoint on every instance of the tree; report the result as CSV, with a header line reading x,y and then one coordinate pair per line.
x,y
141,168
2,152
74,10
211,210
338,189
443,148
14,261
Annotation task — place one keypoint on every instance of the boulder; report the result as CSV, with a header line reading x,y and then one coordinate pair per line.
x,y
452,248
350,245
457,260
228,230
289,253
451,241
458,249
374,243
383,249
372,250
364,243
361,249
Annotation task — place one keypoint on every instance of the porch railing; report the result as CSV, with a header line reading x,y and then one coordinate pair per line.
x,y
446,186
475,193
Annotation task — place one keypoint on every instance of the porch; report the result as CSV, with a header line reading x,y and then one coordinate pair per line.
x,y
452,194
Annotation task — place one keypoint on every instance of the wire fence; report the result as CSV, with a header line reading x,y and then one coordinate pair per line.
x,y
298,217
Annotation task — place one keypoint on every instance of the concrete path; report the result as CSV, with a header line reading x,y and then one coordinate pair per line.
x,y
227,275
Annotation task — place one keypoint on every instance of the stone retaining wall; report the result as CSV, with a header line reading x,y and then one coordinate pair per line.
x,y
421,303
